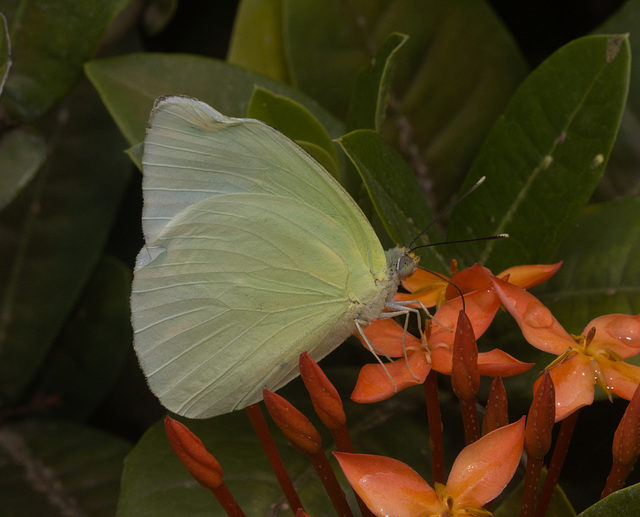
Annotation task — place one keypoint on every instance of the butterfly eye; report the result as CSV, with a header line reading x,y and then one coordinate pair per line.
x,y
406,266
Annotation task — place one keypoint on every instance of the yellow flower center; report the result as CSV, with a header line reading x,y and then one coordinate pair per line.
x,y
448,506
595,356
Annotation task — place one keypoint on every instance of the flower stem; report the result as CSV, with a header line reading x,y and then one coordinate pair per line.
x,y
557,461
322,466
266,440
227,501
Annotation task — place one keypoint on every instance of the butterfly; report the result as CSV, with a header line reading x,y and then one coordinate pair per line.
x,y
253,254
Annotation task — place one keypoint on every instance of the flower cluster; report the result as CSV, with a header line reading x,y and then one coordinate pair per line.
x,y
465,305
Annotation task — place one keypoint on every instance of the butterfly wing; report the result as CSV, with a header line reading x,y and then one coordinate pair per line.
x,y
244,284
192,152
253,254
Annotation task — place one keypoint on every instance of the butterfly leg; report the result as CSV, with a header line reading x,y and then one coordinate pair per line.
x,y
359,326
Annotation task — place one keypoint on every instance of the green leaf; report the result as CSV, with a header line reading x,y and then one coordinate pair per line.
x,y
155,483
52,234
51,39
21,156
545,155
622,502
5,51
373,86
129,85
157,15
257,42
91,355
452,79
601,269
50,469
391,185
298,123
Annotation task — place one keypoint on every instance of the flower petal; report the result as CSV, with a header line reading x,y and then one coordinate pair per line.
x,y
468,280
574,383
424,286
491,364
617,332
376,384
622,378
496,362
387,486
481,307
483,469
536,322
385,334
528,276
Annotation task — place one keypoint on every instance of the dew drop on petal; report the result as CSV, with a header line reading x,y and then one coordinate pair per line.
x,y
626,329
538,316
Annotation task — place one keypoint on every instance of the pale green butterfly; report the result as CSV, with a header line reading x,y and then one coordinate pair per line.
x,y
253,254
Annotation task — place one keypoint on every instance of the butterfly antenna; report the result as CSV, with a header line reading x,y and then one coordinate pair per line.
x,y
462,241
442,214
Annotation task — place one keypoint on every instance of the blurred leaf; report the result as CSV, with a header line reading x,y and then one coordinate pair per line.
x,y
95,345
452,80
601,269
370,96
297,122
622,502
5,51
52,234
158,14
50,469
545,155
155,483
129,85
51,39
21,156
392,187
256,42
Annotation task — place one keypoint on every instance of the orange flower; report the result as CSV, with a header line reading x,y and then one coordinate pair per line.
x,y
479,474
434,289
595,357
377,382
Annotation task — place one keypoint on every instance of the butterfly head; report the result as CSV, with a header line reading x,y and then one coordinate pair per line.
x,y
407,264
403,262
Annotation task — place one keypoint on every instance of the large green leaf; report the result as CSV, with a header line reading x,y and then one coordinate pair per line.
x,y
545,155
601,270
129,85
392,187
454,75
52,234
51,39
622,502
50,469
